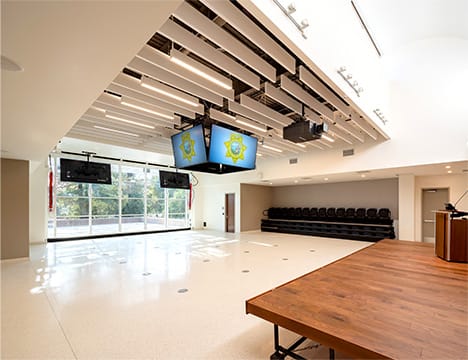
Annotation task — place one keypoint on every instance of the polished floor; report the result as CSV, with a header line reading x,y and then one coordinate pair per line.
x,y
177,295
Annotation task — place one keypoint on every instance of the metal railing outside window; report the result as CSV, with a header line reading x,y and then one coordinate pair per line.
x,y
134,202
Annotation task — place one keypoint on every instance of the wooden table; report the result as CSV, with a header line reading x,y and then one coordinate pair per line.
x,y
394,299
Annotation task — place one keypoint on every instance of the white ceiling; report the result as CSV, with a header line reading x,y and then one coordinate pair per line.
x,y
197,32
70,51
65,50
398,23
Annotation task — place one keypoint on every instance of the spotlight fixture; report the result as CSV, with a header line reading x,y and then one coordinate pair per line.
x,y
380,115
288,11
304,24
348,78
291,8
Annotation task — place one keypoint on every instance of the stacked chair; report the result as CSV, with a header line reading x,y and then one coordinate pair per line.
x,y
369,224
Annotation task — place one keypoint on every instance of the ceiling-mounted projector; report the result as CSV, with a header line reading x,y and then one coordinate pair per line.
x,y
303,131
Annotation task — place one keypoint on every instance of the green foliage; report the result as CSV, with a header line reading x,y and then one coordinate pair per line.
x,y
69,206
133,207
73,198
72,189
105,206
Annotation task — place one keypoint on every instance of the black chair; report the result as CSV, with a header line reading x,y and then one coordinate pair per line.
x,y
291,213
360,216
298,213
283,213
350,214
305,213
313,214
340,214
371,216
385,216
331,214
322,214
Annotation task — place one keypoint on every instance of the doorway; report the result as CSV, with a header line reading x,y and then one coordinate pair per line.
x,y
432,200
229,212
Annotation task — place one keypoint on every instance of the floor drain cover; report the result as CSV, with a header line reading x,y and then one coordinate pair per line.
x,y
245,271
312,250
247,251
285,258
206,260
182,291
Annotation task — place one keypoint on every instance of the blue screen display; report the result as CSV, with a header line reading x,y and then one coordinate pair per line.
x,y
189,147
232,148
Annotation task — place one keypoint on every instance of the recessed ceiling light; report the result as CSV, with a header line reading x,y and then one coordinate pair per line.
x,y
129,104
272,148
450,171
177,58
253,126
363,175
328,138
129,121
116,131
165,90
447,166
296,181
326,179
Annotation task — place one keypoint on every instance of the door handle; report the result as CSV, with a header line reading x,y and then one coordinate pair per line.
x,y
429,221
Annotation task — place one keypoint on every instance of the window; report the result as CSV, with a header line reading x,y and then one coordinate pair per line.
x,y
134,202
155,202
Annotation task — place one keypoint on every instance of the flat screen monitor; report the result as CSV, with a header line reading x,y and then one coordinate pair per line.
x,y
173,180
189,147
85,172
232,148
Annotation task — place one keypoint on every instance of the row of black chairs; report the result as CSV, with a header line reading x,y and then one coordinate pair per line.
x,y
352,215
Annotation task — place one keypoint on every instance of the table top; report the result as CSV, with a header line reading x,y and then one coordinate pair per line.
x,y
393,299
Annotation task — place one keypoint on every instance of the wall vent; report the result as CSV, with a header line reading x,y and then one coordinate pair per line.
x,y
349,152
293,161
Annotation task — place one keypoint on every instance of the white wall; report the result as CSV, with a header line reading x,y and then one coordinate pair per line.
x,y
423,82
210,195
369,193
38,172
457,185
406,206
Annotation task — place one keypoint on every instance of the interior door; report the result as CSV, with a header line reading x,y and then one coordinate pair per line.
x,y
229,212
432,200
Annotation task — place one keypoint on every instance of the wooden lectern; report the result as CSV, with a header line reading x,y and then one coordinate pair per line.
x,y
451,237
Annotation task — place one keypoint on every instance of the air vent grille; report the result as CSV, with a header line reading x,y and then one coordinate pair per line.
x,y
348,152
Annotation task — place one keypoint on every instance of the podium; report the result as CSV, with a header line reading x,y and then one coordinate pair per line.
x,y
451,237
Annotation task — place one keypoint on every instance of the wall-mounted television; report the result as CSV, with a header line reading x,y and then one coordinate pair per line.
x,y
232,148
173,180
189,147
85,172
